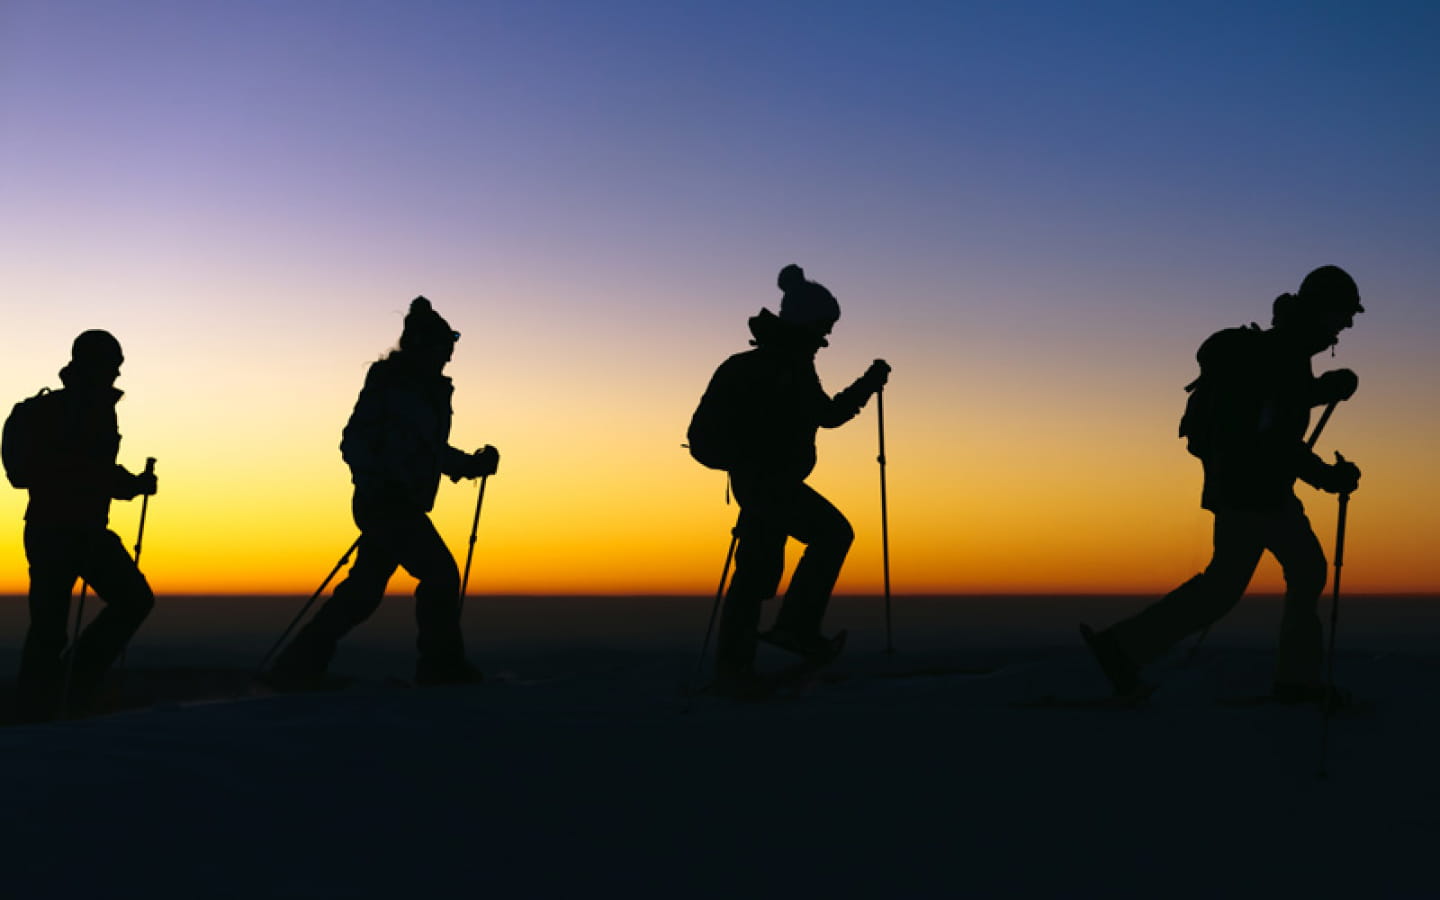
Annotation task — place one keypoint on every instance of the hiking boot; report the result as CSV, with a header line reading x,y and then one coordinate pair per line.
x,y
429,673
816,648
1123,674
1327,694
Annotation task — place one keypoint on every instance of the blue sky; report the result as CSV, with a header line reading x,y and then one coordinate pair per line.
x,y
1036,211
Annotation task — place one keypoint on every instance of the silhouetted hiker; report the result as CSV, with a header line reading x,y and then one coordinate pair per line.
x,y
757,420
1246,420
61,446
397,446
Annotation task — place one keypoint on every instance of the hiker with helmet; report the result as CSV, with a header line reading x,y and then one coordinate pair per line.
x,y
62,446
1246,421
396,444
757,420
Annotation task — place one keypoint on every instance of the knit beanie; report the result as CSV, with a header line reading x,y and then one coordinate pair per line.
x,y
805,303
424,327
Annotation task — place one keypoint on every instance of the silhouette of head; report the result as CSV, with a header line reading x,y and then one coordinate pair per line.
x,y
95,359
427,338
1325,305
806,303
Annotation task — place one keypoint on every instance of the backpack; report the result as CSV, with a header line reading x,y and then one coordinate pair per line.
x,y
714,434
17,444
1199,423
710,437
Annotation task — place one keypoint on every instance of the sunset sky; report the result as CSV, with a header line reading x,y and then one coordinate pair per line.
x,y
1035,211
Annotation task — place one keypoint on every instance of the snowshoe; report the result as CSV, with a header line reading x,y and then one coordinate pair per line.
x,y
815,648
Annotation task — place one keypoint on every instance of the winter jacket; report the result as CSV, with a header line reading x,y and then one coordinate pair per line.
x,y
397,440
768,402
74,441
1263,390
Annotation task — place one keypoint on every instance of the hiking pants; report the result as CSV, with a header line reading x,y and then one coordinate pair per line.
x,y
388,540
770,513
1241,536
59,555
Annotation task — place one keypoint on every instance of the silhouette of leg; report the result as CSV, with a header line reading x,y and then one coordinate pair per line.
x,y
355,599
422,553
54,557
759,565
827,535
128,600
1240,538
1299,659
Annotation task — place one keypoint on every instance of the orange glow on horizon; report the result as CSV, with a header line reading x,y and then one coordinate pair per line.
x,y
982,499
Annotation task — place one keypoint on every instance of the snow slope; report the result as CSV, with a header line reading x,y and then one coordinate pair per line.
x,y
586,776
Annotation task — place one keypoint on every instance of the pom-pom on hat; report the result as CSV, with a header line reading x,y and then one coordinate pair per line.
x,y
805,302
424,327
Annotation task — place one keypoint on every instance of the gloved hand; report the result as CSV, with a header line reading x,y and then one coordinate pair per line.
x,y
1339,384
146,484
484,461
128,486
1341,478
875,377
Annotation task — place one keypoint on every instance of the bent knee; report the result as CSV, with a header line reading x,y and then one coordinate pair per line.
x,y
141,602
841,534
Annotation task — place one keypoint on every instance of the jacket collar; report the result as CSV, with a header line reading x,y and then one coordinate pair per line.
x,y
773,332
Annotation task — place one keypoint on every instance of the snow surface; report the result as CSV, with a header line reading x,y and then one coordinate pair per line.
x,y
586,772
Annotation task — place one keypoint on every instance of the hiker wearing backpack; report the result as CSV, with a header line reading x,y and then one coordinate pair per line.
x,y
757,420
61,446
1246,420
396,444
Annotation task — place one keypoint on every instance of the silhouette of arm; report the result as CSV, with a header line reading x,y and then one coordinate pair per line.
x,y
455,464
124,484
1310,468
845,405
80,470
1333,386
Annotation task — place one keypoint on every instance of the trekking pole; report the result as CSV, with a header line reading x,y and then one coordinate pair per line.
x,y
884,516
306,608
144,508
715,609
474,526
80,607
1309,445
139,540
1328,702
